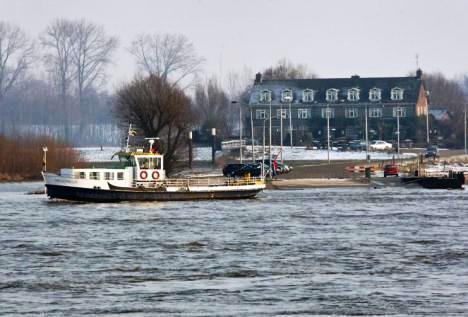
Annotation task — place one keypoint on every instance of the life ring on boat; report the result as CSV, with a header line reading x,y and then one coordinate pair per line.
x,y
143,174
155,175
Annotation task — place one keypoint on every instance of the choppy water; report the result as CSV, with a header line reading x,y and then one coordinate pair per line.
x,y
319,251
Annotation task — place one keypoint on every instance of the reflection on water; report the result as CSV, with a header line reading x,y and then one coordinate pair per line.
x,y
316,251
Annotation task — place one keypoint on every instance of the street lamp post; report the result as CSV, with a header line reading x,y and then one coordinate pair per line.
x,y
271,175
328,133
290,126
252,134
281,132
398,129
240,129
367,134
465,128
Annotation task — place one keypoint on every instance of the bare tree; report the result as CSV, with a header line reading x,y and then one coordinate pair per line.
x,y
169,56
158,109
16,54
91,50
285,69
58,40
212,105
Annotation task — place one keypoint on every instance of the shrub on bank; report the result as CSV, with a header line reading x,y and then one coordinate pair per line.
x,y
21,157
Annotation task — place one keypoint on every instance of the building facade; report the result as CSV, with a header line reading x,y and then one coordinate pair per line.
x,y
306,104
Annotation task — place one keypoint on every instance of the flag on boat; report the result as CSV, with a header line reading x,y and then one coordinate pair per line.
x,y
132,132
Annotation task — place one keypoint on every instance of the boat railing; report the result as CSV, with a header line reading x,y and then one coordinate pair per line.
x,y
201,182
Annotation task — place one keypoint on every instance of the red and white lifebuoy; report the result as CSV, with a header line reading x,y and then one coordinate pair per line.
x,y
143,174
155,175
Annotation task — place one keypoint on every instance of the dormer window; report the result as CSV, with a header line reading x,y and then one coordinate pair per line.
x,y
375,94
286,95
265,96
308,95
396,94
353,94
332,94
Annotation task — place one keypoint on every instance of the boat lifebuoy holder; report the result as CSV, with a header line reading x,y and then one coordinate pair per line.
x,y
143,175
155,175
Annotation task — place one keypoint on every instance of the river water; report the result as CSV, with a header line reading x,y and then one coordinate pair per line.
x,y
360,251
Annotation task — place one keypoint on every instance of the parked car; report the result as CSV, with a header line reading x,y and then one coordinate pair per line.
x,y
357,145
241,170
391,169
431,152
380,145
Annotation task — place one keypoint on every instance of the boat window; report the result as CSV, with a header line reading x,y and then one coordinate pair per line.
x,y
120,176
82,175
149,162
109,176
94,175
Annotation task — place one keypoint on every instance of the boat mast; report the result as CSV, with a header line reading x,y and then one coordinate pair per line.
x,y
128,137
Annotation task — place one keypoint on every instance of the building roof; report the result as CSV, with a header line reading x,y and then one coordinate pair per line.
x,y
410,85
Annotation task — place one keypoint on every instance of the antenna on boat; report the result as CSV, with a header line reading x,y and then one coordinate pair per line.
x,y
131,132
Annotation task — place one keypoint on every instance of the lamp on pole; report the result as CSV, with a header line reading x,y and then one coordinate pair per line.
x,y
328,133
398,109
465,129
290,125
367,133
271,175
252,134
289,100
240,129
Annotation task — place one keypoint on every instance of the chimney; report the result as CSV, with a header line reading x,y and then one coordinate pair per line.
x,y
419,73
355,77
258,79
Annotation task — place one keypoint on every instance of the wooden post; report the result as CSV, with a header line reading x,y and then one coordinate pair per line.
x,y
213,145
190,155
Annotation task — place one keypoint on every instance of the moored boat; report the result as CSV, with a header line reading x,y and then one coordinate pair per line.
x,y
140,176
454,180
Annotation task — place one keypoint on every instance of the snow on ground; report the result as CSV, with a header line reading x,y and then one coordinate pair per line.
x,y
289,154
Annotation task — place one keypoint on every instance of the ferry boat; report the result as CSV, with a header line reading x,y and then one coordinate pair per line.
x,y
140,176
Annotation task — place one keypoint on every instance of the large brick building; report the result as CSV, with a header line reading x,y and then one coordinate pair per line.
x,y
345,101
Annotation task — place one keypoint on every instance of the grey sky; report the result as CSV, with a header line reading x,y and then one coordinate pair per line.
x,y
334,38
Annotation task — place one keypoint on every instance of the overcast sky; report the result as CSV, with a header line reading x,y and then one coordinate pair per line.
x,y
334,38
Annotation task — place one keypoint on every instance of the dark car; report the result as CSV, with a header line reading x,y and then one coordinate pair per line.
x,y
241,170
431,152
391,169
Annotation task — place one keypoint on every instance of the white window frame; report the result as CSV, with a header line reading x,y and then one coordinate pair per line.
x,y
120,176
402,112
109,176
265,96
260,114
375,94
324,112
397,93
351,113
375,112
353,94
332,94
287,95
284,112
95,175
308,95
303,113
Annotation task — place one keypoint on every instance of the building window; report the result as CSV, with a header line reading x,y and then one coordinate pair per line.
x,y
330,111
303,113
375,94
332,94
375,112
82,175
120,176
353,94
287,95
94,175
109,176
265,96
282,113
351,113
308,95
396,94
260,114
399,111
